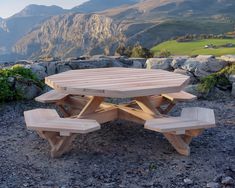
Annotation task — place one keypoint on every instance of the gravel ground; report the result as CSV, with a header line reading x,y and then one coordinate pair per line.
x,y
121,154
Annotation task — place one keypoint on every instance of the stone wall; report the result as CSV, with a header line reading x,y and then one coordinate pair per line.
x,y
197,67
44,69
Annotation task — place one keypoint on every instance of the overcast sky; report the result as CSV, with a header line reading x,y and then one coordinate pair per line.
x,y
10,7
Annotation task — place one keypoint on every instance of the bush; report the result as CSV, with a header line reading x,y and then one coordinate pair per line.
x,y
219,79
136,51
7,77
164,53
139,51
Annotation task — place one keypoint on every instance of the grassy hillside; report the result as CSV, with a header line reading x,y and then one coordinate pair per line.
x,y
196,47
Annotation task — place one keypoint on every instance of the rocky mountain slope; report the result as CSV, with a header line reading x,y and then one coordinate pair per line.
x,y
145,21
175,8
78,34
15,27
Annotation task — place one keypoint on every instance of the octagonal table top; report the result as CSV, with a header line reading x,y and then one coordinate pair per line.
x,y
117,82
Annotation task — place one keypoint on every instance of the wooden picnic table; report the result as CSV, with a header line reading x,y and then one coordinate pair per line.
x,y
139,84
80,96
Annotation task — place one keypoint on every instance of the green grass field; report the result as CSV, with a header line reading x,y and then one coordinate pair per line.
x,y
195,47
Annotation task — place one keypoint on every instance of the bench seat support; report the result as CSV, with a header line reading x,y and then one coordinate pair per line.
x,y
179,131
59,132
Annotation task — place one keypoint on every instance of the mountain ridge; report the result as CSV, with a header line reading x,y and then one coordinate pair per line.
x,y
39,10
18,25
100,5
147,22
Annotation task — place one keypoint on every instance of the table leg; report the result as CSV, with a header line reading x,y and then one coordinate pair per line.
x,y
92,105
62,144
146,105
59,144
179,142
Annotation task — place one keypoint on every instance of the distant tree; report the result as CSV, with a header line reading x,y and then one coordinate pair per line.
x,y
106,50
139,51
164,53
121,49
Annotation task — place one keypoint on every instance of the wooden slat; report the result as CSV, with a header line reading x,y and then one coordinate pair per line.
x,y
134,115
49,120
180,96
177,126
194,118
117,82
51,97
103,115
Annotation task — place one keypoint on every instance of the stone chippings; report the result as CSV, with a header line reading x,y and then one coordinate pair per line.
x,y
121,154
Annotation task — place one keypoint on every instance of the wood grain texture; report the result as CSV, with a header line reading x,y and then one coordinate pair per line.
x,y
49,120
179,96
191,119
117,82
51,97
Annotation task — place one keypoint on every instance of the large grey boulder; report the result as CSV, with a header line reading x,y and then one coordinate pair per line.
x,y
117,64
74,64
193,89
214,94
202,66
193,79
228,58
178,61
232,78
63,67
159,63
233,90
207,66
125,62
137,64
39,71
51,68
190,65
139,60
88,64
28,90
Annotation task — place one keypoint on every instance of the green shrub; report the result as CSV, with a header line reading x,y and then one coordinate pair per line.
x,y
139,51
136,51
164,53
219,79
19,73
6,92
228,70
207,83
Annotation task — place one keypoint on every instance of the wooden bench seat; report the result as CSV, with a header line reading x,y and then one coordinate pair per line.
x,y
58,131
180,96
191,123
52,96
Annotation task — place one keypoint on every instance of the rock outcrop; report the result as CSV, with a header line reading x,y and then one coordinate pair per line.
x,y
197,68
44,69
159,63
79,34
